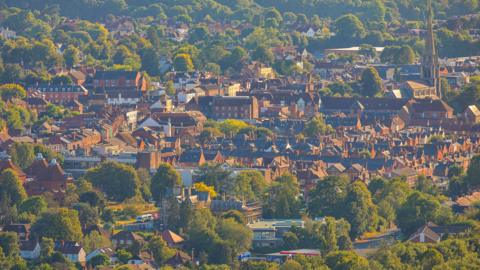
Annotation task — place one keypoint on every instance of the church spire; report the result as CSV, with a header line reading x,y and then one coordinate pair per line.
x,y
430,68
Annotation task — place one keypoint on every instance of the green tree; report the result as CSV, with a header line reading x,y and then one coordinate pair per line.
x,y
47,247
346,260
264,55
118,181
10,91
328,197
349,28
71,56
33,205
99,260
214,175
372,84
183,62
361,212
170,88
164,181
416,211
11,188
22,154
250,185
317,127
160,250
61,223
236,234
282,200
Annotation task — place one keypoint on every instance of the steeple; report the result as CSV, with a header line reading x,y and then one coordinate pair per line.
x,y
430,68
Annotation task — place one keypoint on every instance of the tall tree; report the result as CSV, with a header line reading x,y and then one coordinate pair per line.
x,y
417,211
11,188
361,212
372,84
61,224
282,200
164,181
118,181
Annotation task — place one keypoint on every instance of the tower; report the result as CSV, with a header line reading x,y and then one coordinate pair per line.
x,y
429,68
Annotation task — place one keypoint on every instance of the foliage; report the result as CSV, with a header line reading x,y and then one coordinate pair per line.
x,y
61,224
372,84
282,199
164,181
118,181
316,127
11,188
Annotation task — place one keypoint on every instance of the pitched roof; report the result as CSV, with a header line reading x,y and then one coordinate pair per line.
x,y
171,237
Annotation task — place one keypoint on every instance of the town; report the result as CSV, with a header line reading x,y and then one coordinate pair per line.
x,y
246,135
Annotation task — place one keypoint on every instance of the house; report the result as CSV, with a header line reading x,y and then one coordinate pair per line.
x,y
22,230
125,239
29,249
38,104
472,114
46,177
105,251
432,233
239,107
179,259
124,98
336,169
118,81
72,250
173,240
58,94
163,104
415,89
269,233
6,33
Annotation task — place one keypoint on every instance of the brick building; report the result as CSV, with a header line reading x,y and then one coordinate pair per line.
x,y
58,94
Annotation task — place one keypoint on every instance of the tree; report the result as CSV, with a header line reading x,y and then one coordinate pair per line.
x,y
71,56
472,179
88,216
327,199
236,234
214,175
124,256
99,260
47,247
170,88
10,91
361,212
61,223
349,28
282,198
417,211
317,127
95,240
33,205
22,154
249,185
201,187
371,83
150,60
291,265
9,244
347,260
11,188
264,55
183,62
118,181
164,181
160,250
